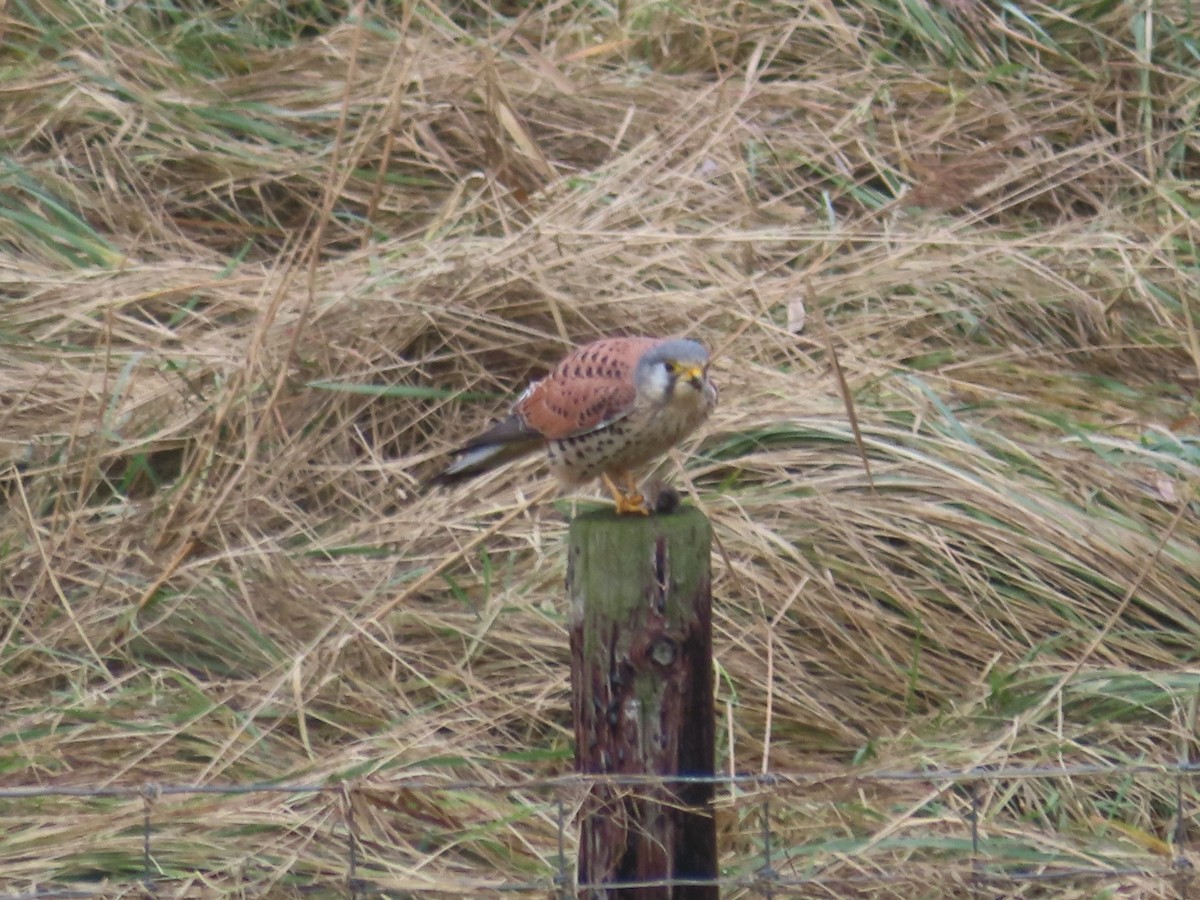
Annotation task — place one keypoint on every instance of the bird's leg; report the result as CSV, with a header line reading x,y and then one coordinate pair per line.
x,y
630,484
628,503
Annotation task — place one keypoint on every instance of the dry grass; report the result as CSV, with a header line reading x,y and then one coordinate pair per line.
x,y
263,264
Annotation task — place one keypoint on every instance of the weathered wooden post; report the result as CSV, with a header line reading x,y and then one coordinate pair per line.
x,y
642,688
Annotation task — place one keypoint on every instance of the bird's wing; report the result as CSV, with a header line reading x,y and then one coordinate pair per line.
x,y
592,386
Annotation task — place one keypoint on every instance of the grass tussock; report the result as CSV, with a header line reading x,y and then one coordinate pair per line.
x,y
263,264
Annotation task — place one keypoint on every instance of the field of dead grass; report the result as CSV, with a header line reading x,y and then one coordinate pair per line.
x,y
264,263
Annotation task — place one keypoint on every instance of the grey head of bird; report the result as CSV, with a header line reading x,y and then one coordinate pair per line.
x,y
674,370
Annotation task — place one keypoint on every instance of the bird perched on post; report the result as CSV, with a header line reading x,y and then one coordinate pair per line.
x,y
608,408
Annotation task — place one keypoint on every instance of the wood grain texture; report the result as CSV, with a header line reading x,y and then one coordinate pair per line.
x,y
642,688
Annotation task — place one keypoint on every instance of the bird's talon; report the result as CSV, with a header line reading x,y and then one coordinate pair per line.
x,y
632,505
630,502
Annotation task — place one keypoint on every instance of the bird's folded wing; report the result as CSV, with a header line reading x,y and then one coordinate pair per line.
x,y
558,408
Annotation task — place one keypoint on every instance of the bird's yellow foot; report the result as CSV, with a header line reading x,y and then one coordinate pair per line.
x,y
632,505
629,503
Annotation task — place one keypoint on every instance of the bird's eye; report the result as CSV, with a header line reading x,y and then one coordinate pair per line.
x,y
671,366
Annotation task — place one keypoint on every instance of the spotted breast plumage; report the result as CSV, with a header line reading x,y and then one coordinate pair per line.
x,y
608,408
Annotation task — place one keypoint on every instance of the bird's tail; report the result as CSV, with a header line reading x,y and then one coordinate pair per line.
x,y
508,439
480,458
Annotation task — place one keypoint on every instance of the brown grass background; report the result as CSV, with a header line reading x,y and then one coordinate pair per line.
x,y
264,264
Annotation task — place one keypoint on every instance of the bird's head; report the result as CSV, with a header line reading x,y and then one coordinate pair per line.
x,y
675,370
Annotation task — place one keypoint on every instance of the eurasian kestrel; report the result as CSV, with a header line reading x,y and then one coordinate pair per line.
x,y
608,408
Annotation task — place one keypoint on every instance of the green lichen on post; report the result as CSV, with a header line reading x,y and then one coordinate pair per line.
x,y
641,669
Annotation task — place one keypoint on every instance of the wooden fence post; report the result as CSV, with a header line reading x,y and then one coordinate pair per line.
x,y
642,690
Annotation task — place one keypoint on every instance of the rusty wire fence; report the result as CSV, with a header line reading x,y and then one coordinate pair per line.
x,y
971,860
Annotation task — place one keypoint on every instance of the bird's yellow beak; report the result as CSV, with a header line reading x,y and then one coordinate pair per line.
x,y
694,374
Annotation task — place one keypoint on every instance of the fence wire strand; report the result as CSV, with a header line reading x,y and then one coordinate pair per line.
x,y
766,879
773,780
